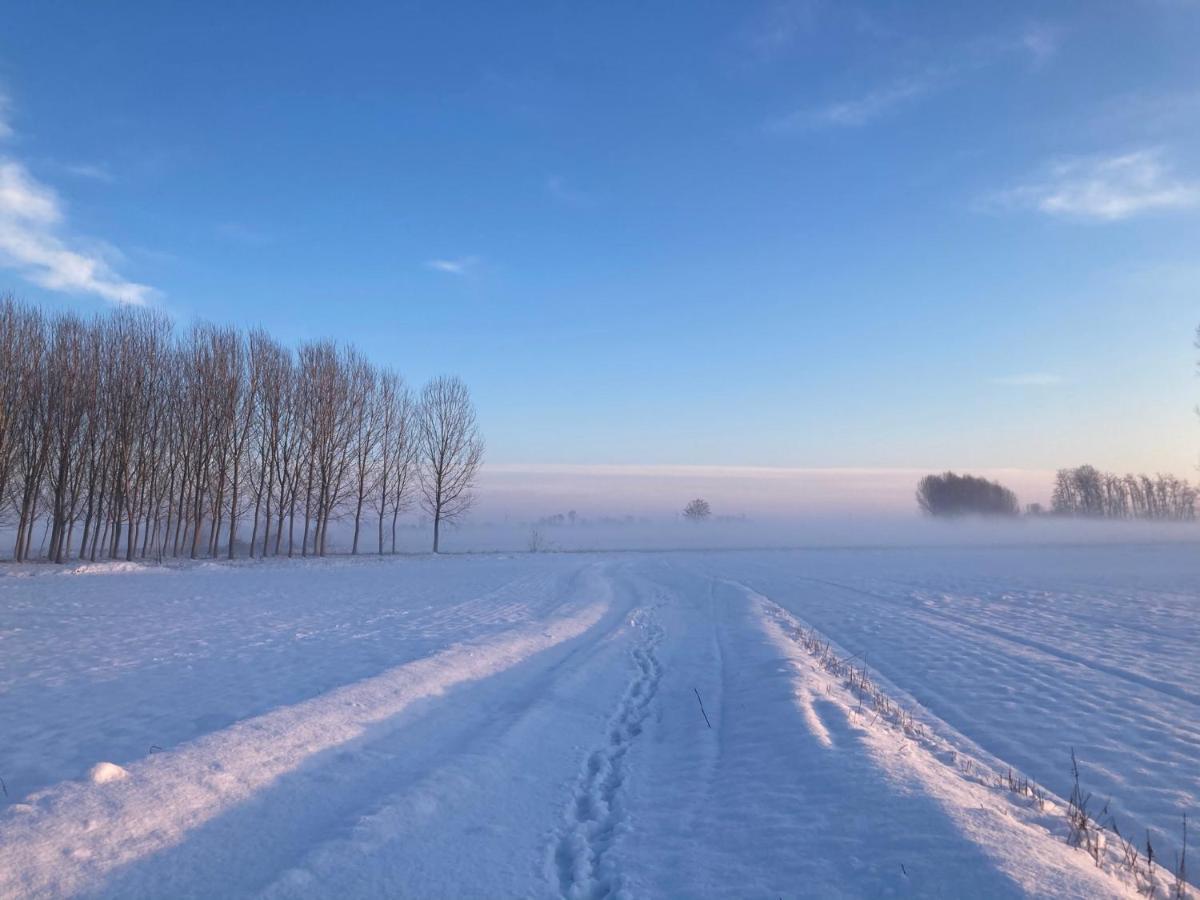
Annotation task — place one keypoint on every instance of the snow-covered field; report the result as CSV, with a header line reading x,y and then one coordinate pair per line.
x,y
591,725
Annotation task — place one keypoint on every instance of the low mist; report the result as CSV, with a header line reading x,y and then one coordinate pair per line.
x,y
649,533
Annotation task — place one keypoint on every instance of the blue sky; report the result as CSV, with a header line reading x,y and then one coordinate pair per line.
x,y
794,234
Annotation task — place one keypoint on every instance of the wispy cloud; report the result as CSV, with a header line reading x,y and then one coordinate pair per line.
x,y
1028,379
35,240
1103,188
778,26
90,171
1138,115
459,266
1037,42
566,193
1040,41
241,233
32,242
857,111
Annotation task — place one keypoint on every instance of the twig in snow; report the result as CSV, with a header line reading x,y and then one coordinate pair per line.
x,y
702,712
3,787
1179,889
1084,830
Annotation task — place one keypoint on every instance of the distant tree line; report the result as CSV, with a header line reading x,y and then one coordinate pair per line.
x,y
124,439
1086,491
557,519
950,494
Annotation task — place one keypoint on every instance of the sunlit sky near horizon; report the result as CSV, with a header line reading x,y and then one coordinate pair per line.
x,y
783,234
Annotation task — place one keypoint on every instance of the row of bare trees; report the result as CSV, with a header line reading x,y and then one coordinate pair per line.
x,y
120,438
1086,491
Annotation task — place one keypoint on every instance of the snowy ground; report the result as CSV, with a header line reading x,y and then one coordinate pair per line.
x,y
531,725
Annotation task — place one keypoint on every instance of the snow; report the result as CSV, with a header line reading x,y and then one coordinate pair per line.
x,y
532,725
1030,653
104,772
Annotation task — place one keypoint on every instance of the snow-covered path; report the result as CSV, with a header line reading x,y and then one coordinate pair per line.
x,y
580,726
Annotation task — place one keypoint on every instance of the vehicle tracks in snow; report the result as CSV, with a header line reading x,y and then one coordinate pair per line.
x,y
595,816
982,630
112,839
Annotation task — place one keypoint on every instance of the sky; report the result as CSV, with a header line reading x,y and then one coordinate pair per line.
x,y
703,240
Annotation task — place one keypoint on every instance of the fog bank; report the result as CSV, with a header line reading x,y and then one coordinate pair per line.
x,y
534,491
831,531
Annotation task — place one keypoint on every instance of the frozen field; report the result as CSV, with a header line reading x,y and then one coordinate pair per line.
x,y
531,725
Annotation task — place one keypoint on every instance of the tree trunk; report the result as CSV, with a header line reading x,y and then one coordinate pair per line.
x,y
357,518
233,511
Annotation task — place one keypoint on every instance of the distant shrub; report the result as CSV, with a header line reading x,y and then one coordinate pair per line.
x,y
960,495
697,511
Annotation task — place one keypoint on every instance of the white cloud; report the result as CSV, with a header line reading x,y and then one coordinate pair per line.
x,y
31,242
860,110
778,26
460,266
34,239
1148,115
1040,41
1036,43
566,193
22,198
1104,189
91,171
1028,379
241,233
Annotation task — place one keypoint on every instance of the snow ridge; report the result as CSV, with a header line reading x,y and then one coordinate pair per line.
x,y
1017,834
70,837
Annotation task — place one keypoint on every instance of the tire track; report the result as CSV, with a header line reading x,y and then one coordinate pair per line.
x,y
982,629
78,835
595,815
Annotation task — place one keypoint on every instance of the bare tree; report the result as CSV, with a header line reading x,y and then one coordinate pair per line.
x,y
394,467
271,367
1084,491
202,404
451,450
14,329
70,402
140,345
950,494
226,386
364,430
328,376
290,467
697,511
30,432
158,444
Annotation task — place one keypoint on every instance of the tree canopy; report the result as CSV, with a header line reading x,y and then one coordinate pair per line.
x,y
950,494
